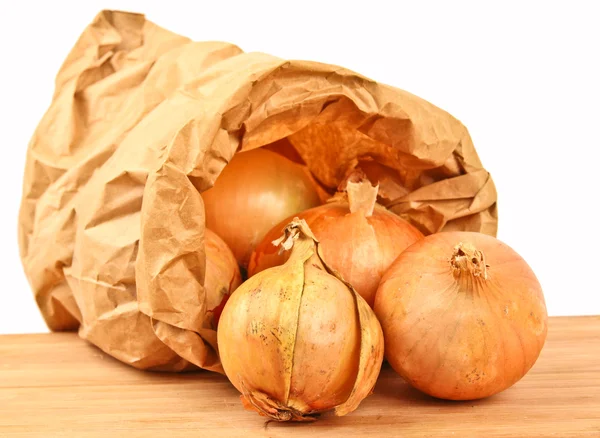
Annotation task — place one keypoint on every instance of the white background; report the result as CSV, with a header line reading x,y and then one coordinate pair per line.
x,y
523,77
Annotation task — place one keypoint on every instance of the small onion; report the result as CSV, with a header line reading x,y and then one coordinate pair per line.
x,y
296,340
463,315
222,276
255,191
359,238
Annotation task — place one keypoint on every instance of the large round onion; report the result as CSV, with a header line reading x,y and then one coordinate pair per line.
x,y
463,315
359,238
296,340
222,276
255,191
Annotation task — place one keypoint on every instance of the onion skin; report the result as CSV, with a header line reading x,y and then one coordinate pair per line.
x,y
359,245
255,191
463,315
222,276
297,341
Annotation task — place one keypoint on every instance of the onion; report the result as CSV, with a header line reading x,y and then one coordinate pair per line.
x,y
296,340
285,148
222,276
255,191
359,239
463,315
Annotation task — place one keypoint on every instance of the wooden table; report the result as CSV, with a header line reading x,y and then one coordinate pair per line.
x,y
58,385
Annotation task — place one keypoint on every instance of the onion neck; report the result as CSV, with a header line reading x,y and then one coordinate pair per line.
x,y
468,260
362,197
356,189
298,237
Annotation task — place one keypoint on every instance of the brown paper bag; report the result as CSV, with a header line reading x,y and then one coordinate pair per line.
x,y
143,120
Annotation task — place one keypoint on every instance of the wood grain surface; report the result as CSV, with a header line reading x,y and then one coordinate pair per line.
x,y
58,385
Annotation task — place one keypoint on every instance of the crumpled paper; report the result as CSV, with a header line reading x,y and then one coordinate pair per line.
x,y
143,120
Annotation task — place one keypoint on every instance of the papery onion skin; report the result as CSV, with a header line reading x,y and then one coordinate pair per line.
x,y
297,341
466,332
359,247
222,276
255,191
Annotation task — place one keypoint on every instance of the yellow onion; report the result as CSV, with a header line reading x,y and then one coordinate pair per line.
x,y
296,340
463,315
222,276
359,238
255,191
